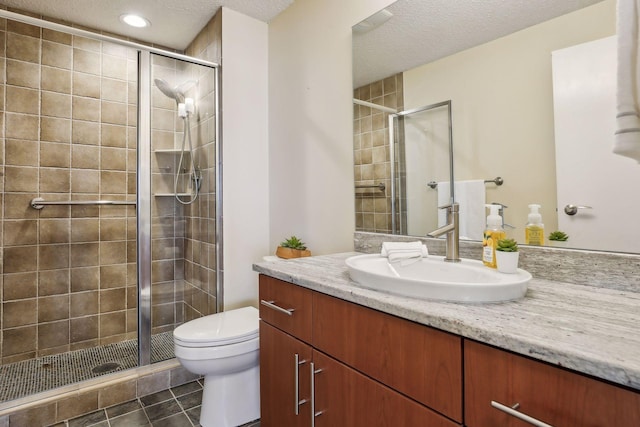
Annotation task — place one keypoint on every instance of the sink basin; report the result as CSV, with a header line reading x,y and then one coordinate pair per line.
x,y
432,278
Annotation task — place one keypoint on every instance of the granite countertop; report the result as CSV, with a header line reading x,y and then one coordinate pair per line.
x,y
587,329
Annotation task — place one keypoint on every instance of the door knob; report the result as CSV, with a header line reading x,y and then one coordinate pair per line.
x,y
573,209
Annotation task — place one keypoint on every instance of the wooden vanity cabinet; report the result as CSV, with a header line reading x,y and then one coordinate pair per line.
x,y
421,362
549,394
296,376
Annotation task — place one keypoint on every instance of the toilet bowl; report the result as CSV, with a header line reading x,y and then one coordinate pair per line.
x,y
224,347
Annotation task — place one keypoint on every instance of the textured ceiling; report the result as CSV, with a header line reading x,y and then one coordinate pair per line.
x,y
174,23
422,31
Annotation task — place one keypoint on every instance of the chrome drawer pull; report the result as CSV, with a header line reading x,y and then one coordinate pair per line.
x,y
524,417
314,414
298,402
270,304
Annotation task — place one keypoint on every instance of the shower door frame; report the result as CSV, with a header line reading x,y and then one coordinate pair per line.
x,y
393,139
143,172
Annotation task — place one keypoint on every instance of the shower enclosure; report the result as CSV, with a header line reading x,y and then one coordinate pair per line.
x,y
110,203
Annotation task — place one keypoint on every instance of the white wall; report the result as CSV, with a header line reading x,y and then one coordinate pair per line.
x,y
311,190
245,145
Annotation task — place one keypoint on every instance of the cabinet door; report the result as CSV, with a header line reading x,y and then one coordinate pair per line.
x,y
280,376
549,394
421,362
345,397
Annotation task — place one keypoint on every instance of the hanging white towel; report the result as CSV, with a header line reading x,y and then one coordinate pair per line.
x,y
627,136
470,196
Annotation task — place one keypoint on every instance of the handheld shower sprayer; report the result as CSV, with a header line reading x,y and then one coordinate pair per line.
x,y
186,107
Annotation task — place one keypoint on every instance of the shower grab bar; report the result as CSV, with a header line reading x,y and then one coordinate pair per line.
x,y
380,186
497,181
39,202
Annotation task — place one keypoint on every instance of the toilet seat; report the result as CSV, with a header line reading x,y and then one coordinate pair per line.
x,y
220,329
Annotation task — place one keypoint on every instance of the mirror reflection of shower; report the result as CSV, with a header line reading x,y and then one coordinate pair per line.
x,y
186,109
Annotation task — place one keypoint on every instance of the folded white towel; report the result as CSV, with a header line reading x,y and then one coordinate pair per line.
x,y
627,136
404,252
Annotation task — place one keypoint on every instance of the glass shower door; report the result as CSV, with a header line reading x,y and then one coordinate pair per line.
x,y
183,203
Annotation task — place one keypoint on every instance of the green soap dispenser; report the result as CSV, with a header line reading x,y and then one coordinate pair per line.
x,y
492,234
534,231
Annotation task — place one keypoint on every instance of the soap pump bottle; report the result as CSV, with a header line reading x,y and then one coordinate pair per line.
x,y
492,234
534,231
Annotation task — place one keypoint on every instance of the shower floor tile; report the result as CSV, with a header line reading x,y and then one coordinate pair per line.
x,y
168,408
46,373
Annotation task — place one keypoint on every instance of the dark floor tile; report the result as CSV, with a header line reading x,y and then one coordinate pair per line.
x,y
194,415
162,410
123,408
154,398
177,420
132,419
255,423
191,400
60,424
186,388
89,419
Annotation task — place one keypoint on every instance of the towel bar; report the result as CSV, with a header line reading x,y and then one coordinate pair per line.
x,y
39,203
497,181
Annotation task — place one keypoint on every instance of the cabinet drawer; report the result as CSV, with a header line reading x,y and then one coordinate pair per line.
x,y
420,362
547,393
286,306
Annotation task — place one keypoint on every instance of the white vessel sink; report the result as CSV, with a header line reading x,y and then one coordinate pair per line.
x,y
432,278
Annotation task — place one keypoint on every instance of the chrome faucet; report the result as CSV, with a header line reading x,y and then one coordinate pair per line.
x,y
453,232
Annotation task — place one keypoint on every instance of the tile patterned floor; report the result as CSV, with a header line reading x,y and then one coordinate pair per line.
x,y
48,372
177,407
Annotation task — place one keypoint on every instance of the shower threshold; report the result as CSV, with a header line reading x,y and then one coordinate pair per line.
x,y
45,373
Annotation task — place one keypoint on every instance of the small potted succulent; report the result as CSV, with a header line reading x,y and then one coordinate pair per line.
x,y
292,247
507,256
558,238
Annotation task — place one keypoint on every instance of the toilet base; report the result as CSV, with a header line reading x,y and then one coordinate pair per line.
x,y
231,400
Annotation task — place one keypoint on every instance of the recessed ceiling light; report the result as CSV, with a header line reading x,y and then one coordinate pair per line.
x,y
134,20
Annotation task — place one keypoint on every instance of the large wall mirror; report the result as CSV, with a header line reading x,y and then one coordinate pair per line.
x,y
513,74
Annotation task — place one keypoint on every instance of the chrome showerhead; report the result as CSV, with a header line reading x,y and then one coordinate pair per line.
x,y
177,92
171,92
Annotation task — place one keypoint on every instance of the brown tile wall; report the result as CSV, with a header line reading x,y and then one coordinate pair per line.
x,y
200,218
68,117
69,133
371,153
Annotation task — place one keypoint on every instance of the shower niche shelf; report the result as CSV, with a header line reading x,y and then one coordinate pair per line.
x,y
171,194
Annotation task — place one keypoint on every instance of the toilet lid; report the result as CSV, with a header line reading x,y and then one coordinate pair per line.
x,y
228,327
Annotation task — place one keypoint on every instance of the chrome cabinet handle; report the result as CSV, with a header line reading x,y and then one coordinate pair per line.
x,y
573,209
298,402
314,414
270,304
519,415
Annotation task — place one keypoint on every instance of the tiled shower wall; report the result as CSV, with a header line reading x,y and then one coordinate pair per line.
x,y
200,292
68,273
183,236
371,153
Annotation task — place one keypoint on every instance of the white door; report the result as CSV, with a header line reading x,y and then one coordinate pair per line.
x,y
588,173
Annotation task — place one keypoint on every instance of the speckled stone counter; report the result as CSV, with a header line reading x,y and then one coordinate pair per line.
x,y
592,330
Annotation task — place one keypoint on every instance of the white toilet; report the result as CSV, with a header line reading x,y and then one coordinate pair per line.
x,y
224,347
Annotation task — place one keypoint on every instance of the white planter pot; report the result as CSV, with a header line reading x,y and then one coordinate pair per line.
x,y
507,262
